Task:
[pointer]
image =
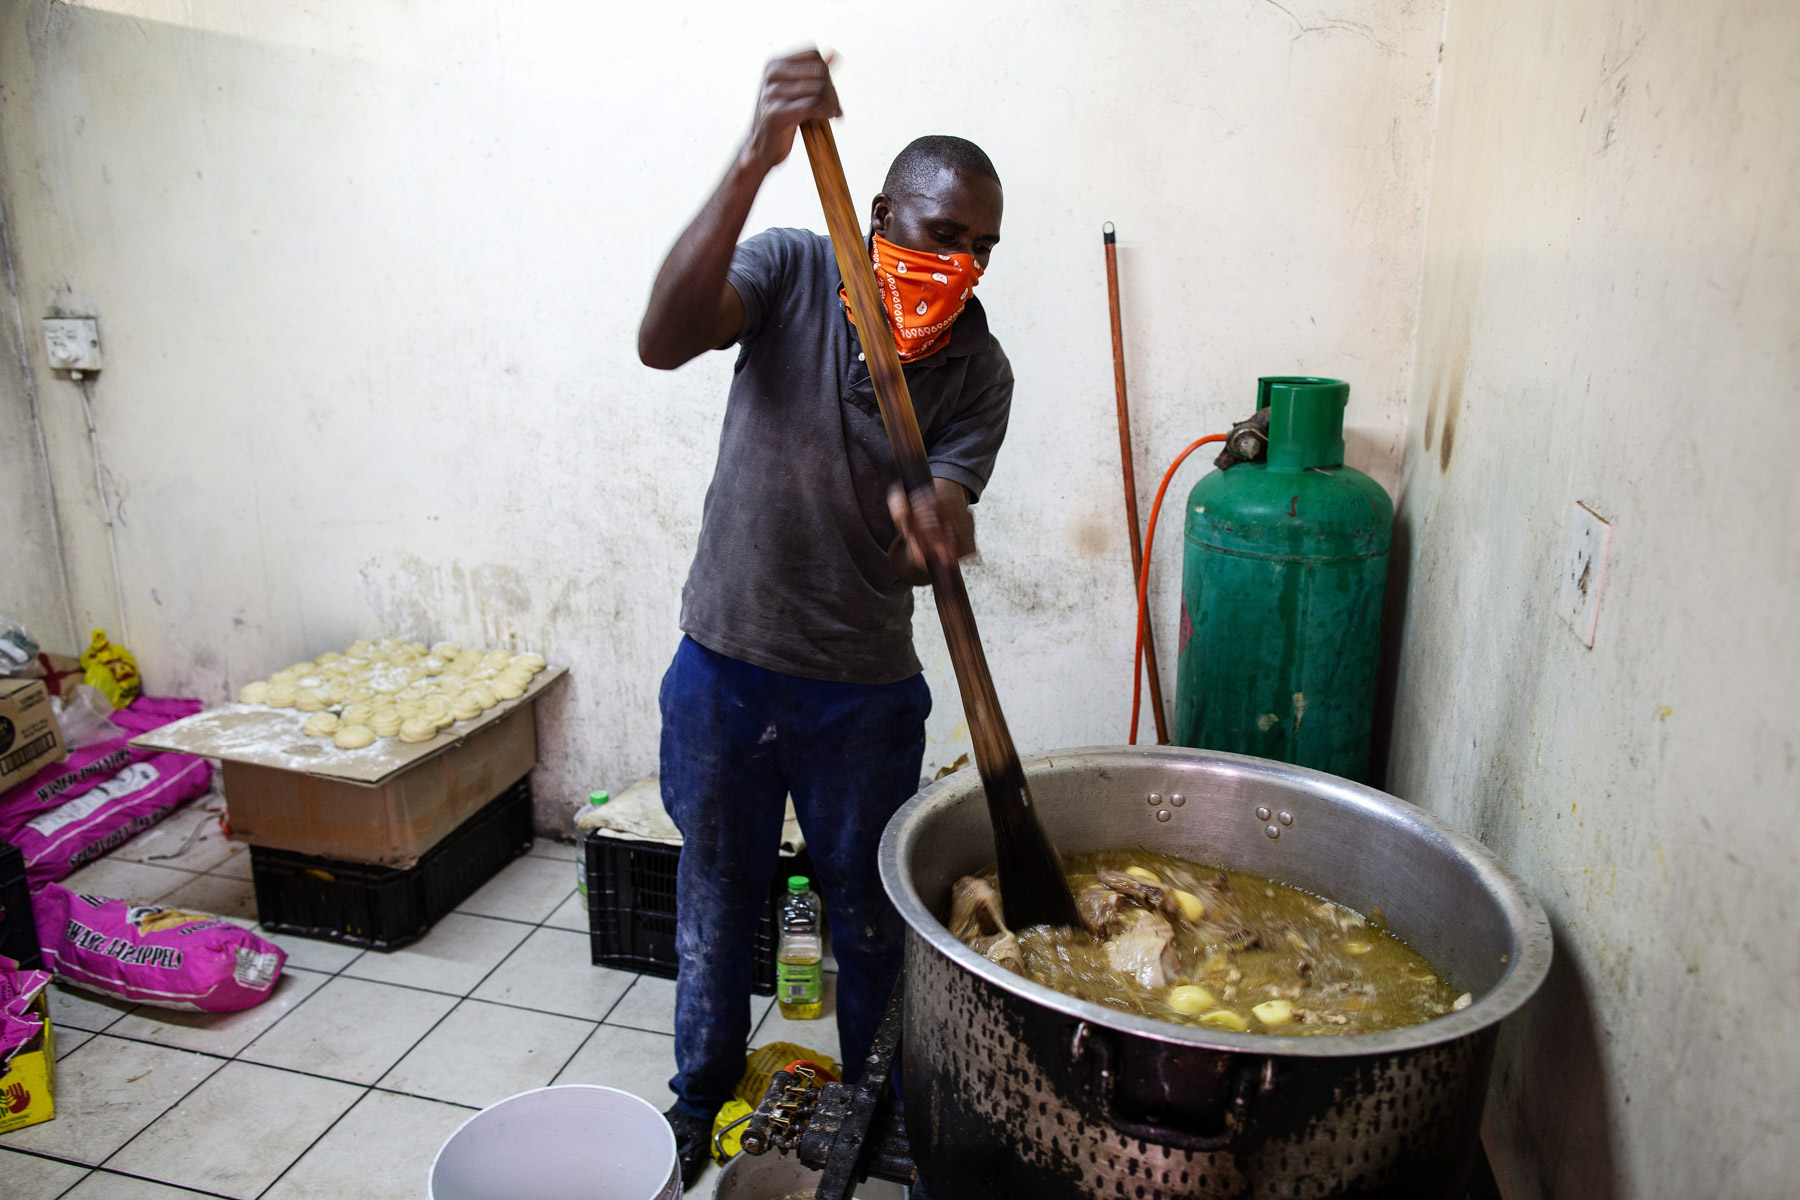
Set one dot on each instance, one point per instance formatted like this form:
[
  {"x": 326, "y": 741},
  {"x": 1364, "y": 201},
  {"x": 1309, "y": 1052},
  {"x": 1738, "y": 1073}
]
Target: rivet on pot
[
  {"x": 1274, "y": 831},
  {"x": 1155, "y": 799},
  {"x": 1287, "y": 818},
  {"x": 1163, "y": 814},
  {"x": 1178, "y": 799},
  {"x": 1262, "y": 814}
]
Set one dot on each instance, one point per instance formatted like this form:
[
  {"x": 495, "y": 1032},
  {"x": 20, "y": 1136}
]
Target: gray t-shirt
[{"x": 792, "y": 569}]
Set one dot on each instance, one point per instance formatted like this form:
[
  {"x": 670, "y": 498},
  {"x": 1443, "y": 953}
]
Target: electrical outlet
[
  {"x": 1584, "y": 571},
  {"x": 72, "y": 343}
]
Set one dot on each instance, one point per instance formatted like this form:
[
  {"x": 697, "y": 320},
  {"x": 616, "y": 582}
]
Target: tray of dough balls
[{"x": 365, "y": 712}]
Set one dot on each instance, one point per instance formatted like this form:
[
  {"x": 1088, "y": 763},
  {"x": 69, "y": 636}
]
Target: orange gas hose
[{"x": 1137, "y": 661}]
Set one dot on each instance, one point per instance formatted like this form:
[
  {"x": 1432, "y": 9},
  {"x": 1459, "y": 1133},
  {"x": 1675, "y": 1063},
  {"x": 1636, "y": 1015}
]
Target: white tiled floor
[{"x": 342, "y": 1085}]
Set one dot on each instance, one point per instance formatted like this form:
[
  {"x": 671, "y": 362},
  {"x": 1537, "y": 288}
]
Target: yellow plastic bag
[
  {"x": 762, "y": 1064},
  {"x": 727, "y": 1147},
  {"x": 111, "y": 669}
]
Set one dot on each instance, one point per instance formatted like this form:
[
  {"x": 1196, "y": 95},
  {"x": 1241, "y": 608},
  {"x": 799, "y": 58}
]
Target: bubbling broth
[{"x": 1171, "y": 939}]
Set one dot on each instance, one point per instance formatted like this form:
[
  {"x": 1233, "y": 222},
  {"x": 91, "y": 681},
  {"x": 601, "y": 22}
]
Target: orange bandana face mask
[{"x": 923, "y": 293}]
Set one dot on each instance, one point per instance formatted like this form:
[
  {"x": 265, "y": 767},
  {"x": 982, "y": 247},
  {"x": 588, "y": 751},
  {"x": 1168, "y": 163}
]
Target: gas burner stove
[
  {"x": 854, "y": 1132},
  {"x": 851, "y": 1132}
]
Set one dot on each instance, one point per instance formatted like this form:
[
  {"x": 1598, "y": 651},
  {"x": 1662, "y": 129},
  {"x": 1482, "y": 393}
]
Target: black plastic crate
[
  {"x": 385, "y": 908},
  {"x": 18, "y": 928},
  {"x": 631, "y": 908}
]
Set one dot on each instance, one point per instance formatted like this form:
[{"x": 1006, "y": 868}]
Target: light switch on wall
[
  {"x": 1584, "y": 571},
  {"x": 72, "y": 343}
]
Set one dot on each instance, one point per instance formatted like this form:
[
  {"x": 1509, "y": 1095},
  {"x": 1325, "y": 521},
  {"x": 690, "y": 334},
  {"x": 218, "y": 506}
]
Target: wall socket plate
[
  {"x": 1584, "y": 571},
  {"x": 72, "y": 343}
]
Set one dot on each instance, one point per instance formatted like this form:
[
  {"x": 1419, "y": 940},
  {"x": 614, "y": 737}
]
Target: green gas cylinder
[{"x": 1281, "y": 593}]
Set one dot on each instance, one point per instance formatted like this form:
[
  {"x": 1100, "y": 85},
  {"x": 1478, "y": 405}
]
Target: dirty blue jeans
[{"x": 736, "y": 741}]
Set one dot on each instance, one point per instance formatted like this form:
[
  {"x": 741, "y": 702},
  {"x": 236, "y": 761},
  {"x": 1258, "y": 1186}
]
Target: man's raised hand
[{"x": 794, "y": 89}]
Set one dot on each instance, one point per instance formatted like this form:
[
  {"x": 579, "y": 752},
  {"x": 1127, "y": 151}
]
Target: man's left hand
[{"x": 938, "y": 525}]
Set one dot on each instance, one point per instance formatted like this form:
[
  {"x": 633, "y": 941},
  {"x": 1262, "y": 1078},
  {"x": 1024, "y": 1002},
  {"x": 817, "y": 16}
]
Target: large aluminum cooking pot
[{"x": 1012, "y": 1089}]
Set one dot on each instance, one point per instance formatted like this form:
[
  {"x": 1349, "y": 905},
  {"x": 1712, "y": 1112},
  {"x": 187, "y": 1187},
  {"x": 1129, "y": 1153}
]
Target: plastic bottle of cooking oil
[
  {"x": 595, "y": 800},
  {"x": 799, "y": 978}
]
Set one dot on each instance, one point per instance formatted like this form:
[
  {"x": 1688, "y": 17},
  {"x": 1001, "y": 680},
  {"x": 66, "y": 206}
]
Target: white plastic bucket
[{"x": 573, "y": 1142}]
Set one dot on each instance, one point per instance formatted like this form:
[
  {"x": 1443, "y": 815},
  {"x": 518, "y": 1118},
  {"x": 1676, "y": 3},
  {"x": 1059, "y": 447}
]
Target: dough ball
[
  {"x": 285, "y": 675},
  {"x": 507, "y": 688},
  {"x": 357, "y": 713},
  {"x": 320, "y": 725},
  {"x": 443, "y": 718},
  {"x": 484, "y": 695},
  {"x": 446, "y": 650},
  {"x": 339, "y": 689},
  {"x": 254, "y": 693},
  {"x": 418, "y": 729},
  {"x": 353, "y": 737},
  {"x": 409, "y": 708},
  {"x": 385, "y": 722},
  {"x": 496, "y": 659},
  {"x": 411, "y": 691},
  {"x": 518, "y": 675},
  {"x": 310, "y": 700},
  {"x": 330, "y": 656},
  {"x": 361, "y": 694},
  {"x": 467, "y": 707},
  {"x": 531, "y": 662},
  {"x": 283, "y": 694},
  {"x": 433, "y": 665}
]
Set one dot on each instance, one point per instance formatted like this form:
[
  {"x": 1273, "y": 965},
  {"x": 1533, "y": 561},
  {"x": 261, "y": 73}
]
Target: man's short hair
[{"x": 915, "y": 167}]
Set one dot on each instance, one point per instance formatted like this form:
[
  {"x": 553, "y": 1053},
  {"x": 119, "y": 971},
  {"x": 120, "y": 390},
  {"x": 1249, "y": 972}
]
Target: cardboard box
[
  {"x": 29, "y": 735},
  {"x": 384, "y": 805},
  {"x": 27, "y": 1090}
]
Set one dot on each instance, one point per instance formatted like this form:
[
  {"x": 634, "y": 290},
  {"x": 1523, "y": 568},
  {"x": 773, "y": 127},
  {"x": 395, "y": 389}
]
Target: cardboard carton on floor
[
  {"x": 29, "y": 735},
  {"x": 27, "y": 1089},
  {"x": 385, "y": 805}
]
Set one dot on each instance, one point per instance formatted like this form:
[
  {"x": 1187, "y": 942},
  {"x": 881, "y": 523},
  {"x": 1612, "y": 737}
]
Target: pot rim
[{"x": 1524, "y": 973}]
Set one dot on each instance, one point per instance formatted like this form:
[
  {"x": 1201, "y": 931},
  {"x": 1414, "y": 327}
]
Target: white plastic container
[{"x": 574, "y": 1142}]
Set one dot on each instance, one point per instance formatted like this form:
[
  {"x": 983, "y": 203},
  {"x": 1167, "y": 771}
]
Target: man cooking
[{"x": 797, "y": 675}]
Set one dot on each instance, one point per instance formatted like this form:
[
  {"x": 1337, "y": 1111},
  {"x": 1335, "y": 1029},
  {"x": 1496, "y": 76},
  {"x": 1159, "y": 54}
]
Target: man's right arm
[{"x": 692, "y": 307}]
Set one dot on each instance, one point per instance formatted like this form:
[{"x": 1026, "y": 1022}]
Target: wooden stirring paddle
[{"x": 1033, "y": 888}]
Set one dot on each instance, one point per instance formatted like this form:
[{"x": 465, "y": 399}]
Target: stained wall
[{"x": 1609, "y": 317}]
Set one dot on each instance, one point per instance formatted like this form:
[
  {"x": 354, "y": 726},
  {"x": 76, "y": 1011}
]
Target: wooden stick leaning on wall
[
  {"x": 1131, "y": 510},
  {"x": 1033, "y": 889}
]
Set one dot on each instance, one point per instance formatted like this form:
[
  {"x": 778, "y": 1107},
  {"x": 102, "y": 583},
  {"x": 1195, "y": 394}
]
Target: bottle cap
[
  {"x": 599, "y": 797},
  {"x": 797, "y": 883}
]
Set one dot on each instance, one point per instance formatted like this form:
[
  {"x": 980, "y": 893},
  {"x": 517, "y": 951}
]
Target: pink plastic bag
[
  {"x": 88, "y": 767},
  {"x": 154, "y": 955},
  {"x": 106, "y": 812},
  {"x": 18, "y": 1024}
]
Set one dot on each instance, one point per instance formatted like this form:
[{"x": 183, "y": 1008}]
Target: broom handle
[{"x": 1125, "y": 456}]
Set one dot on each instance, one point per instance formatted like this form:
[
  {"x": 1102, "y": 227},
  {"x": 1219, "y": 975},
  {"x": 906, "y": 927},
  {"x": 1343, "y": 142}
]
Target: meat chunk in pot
[
  {"x": 1142, "y": 948},
  {"x": 976, "y": 920}
]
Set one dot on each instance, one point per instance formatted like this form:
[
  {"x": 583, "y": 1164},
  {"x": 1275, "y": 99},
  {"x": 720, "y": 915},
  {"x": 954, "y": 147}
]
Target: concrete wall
[
  {"x": 369, "y": 274},
  {"x": 33, "y": 587},
  {"x": 1609, "y": 316}
]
